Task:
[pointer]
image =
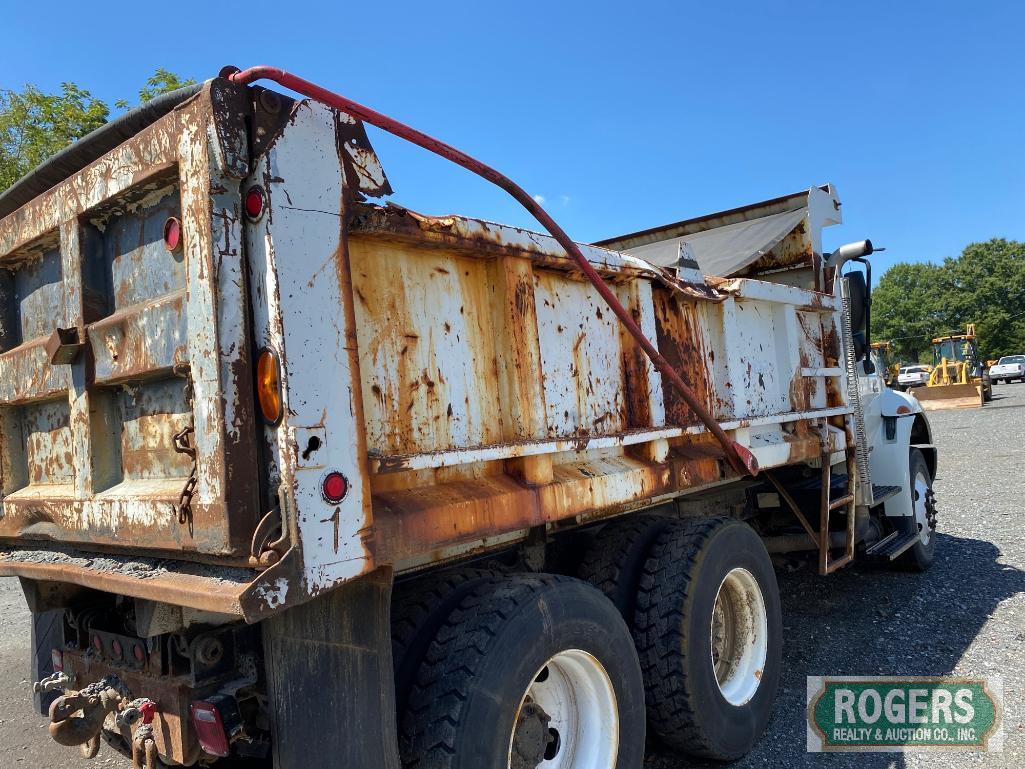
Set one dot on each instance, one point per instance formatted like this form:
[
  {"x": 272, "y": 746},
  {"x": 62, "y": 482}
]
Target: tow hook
[
  {"x": 76, "y": 717},
  {"x": 92, "y": 703}
]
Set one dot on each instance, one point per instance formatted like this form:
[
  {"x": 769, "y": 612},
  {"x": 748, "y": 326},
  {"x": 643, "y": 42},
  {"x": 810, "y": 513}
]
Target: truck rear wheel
[
  {"x": 529, "y": 672},
  {"x": 708, "y": 630},
  {"x": 417, "y": 611},
  {"x": 617, "y": 554}
]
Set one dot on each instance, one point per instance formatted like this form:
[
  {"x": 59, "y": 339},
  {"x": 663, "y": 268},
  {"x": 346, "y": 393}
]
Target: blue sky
[{"x": 624, "y": 115}]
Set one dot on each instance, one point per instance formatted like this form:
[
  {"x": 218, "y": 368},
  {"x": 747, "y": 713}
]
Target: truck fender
[{"x": 903, "y": 426}]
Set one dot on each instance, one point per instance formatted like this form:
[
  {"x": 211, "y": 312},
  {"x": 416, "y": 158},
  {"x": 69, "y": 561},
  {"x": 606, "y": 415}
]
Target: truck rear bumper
[{"x": 245, "y": 593}]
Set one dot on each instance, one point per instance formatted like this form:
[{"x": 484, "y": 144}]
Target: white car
[
  {"x": 1007, "y": 368},
  {"x": 912, "y": 376}
]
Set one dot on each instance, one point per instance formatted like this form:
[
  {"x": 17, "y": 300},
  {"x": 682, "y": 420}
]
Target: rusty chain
[{"x": 183, "y": 445}]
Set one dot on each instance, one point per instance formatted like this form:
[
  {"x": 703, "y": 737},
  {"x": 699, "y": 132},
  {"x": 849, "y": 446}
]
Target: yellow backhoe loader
[
  {"x": 885, "y": 366},
  {"x": 958, "y": 379}
]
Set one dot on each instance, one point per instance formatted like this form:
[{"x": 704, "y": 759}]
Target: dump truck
[{"x": 293, "y": 477}]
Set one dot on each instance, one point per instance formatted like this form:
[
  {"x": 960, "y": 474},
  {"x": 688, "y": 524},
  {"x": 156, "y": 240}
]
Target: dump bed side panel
[{"x": 500, "y": 393}]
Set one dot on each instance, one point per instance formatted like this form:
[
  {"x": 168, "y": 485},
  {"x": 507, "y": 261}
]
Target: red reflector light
[
  {"x": 335, "y": 487},
  {"x": 138, "y": 653},
  {"x": 172, "y": 233},
  {"x": 209, "y": 726},
  {"x": 57, "y": 656},
  {"x": 116, "y": 650},
  {"x": 254, "y": 202}
]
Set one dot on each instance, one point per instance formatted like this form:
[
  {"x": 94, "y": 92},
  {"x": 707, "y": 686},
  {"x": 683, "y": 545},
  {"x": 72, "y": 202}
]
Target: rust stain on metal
[
  {"x": 172, "y": 728},
  {"x": 682, "y": 343},
  {"x": 87, "y": 445}
]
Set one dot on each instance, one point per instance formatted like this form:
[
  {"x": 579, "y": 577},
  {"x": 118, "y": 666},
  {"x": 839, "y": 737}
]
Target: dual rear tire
[
  {"x": 708, "y": 630},
  {"x": 701, "y": 599},
  {"x": 528, "y": 671},
  {"x": 679, "y": 631}
]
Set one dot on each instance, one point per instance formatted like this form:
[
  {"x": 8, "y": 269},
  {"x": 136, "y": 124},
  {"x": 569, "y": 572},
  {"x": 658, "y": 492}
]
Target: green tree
[
  {"x": 34, "y": 125},
  {"x": 161, "y": 81},
  {"x": 907, "y": 308},
  {"x": 984, "y": 285}
]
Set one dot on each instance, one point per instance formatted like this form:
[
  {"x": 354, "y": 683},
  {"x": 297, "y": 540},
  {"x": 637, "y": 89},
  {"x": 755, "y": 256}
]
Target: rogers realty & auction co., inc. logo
[{"x": 849, "y": 713}]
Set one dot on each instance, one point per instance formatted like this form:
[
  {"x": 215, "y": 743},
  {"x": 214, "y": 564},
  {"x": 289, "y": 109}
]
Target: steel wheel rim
[
  {"x": 739, "y": 636},
  {"x": 921, "y": 508},
  {"x": 574, "y": 691}
]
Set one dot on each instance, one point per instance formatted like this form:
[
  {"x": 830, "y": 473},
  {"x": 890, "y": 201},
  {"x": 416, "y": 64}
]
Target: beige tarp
[{"x": 724, "y": 251}]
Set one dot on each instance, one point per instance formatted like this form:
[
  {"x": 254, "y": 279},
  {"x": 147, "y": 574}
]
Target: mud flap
[
  {"x": 47, "y": 634},
  {"x": 330, "y": 679}
]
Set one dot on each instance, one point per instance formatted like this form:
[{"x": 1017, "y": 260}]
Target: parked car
[
  {"x": 1007, "y": 368},
  {"x": 913, "y": 376}
]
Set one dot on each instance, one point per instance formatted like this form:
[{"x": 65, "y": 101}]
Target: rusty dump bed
[
  {"x": 111, "y": 344},
  {"x": 463, "y": 376}
]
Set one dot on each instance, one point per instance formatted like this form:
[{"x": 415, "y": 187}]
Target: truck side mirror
[{"x": 856, "y": 288}]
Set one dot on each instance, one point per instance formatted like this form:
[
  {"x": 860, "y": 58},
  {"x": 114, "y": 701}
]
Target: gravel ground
[{"x": 966, "y": 616}]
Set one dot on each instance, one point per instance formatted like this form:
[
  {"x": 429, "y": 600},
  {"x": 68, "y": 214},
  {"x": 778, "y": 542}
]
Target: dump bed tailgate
[{"x": 124, "y": 357}]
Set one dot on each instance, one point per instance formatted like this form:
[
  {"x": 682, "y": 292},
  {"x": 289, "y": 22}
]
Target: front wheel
[
  {"x": 923, "y": 519},
  {"x": 528, "y": 672}
]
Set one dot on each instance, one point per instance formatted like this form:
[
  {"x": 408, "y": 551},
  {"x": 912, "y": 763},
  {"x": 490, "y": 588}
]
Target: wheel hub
[
  {"x": 739, "y": 636},
  {"x": 931, "y": 513},
  {"x": 924, "y": 505},
  {"x": 568, "y": 717},
  {"x": 531, "y": 738}
]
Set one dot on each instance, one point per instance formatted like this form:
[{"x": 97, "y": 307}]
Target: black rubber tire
[
  {"x": 468, "y": 693},
  {"x": 920, "y": 556},
  {"x": 672, "y": 631},
  {"x": 418, "y": 609},
  {"x": 616, "y": 557}
]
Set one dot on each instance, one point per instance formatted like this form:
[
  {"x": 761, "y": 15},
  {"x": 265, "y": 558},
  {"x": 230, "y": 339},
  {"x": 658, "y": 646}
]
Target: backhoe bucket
[{"x": 953, "y": 396}]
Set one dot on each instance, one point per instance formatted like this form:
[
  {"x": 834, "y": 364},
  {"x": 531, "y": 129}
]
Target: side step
[
  {"x": 891, "y": 547},
  {"x": 882, "y": 493}
]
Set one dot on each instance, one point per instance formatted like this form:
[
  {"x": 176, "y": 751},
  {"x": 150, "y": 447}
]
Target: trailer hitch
[{"x": 739, "y": 457}]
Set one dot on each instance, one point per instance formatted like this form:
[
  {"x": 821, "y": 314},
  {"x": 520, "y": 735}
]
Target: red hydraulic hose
[{"x": 742, "y": 460}]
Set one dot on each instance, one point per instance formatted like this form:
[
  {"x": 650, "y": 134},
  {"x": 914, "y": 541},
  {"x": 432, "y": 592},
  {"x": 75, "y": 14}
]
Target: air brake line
[{"x": 741, "y": 458}]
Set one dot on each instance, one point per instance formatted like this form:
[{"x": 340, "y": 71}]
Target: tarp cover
[{"x": 725, "y": 251}]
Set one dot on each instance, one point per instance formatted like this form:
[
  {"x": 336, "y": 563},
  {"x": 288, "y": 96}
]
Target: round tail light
[
  {"x": 254, "y": 202},
  {"x": 334, "y": 487},
  {"x": 172, "y": 233}
]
